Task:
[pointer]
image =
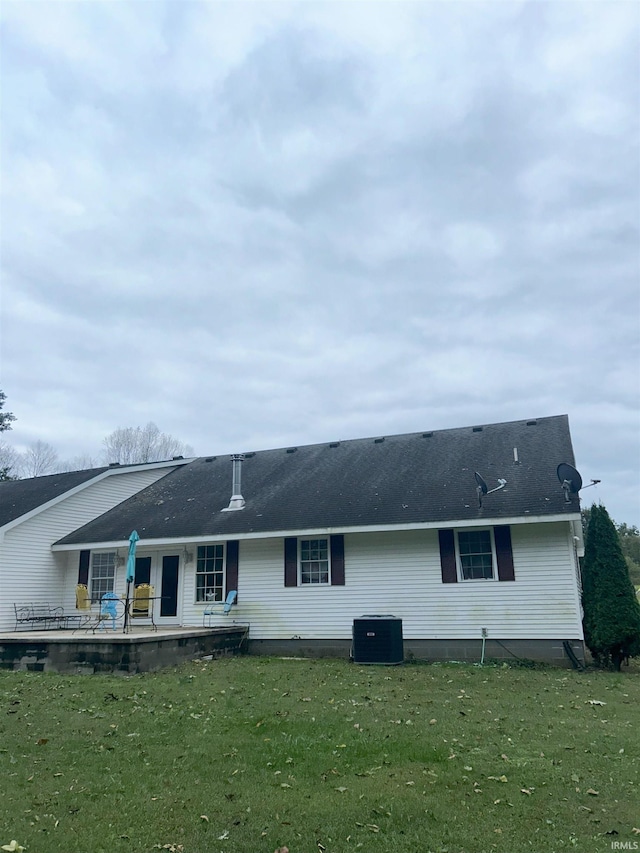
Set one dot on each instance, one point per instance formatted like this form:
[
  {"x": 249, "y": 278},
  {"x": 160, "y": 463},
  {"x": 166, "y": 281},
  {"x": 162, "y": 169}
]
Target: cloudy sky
[{"x": 263, "y": 224}]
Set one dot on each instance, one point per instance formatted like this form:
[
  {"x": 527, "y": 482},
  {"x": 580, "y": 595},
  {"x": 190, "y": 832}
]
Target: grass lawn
[{"x": 247, "y": 754}]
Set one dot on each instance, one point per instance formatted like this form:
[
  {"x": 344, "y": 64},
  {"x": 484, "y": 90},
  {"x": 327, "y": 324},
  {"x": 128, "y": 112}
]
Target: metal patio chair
[
  {"x": 218, "y": 608},
  {"x": 109, "y": 610}
]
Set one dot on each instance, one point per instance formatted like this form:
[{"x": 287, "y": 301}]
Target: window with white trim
[
  {"x": 475, "y": 554},
  {"x": 210, "y": 573},
  {"x": 314, "y": 561},
  {"x": 103, "y": 573}
]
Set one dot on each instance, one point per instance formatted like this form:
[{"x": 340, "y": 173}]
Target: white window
[
  {"x": 103, "y": 573},
  {"x": 475, "y": 555},
  {"x": 210, "y": 573},
  {"x": 314, "y": 561}
]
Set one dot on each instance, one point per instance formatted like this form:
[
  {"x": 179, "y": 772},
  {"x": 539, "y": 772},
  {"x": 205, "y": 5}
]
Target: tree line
[{"x": 125, "y": 445}]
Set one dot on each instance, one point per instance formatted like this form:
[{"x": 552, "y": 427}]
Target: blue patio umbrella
[
  {"x": 131, "y": 559},
  {"x": 131, "y": 571}
]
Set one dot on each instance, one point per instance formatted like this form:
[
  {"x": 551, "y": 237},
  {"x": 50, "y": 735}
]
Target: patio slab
[{"x": 112, "y": 651}]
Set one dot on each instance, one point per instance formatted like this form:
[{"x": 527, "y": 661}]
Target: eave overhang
[{"x": 159, "y": 542}]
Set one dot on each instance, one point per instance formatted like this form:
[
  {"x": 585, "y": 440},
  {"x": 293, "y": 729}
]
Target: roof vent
[
  {"x": 477, "y": 429},
  {"x": 249, "y": 455},
  {"x": 427, "y": 435},
  {"x": 175, "y": 458},
  {"x": 237, "y": 501},
  {"x": 532, "y": 423},
  {"x": 211, "y": 459},
  {"x": 378, "y": 440},
  {"x": 114, "y": 464},
  {"x": 335, "y": 444},
  {"x": 291, "y": 449}
]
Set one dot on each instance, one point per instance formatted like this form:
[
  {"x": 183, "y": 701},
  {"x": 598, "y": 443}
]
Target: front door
[{"x": 169, "y": 577}]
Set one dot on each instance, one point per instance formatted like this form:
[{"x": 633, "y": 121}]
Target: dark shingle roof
[
  {"x": 18, "y": 497},
  {"x": 402, "y": 479}
]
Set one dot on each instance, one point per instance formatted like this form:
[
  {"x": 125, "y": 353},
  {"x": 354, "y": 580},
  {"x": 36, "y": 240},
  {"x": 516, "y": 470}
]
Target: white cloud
[{"x": 266, "y": 224}]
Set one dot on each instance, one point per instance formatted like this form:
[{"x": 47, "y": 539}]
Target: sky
[{"x": 270, "y": 224}]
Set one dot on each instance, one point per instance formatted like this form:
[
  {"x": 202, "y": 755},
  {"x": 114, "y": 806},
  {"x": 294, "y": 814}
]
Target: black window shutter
[
  {"x": 291, "y": 561},
  {"x": 233, "y": 550},
  {"x": 448, "y": 556},
  {"x": 504, "y": 552},
  {"x": 337, "y": 560},
  {"x": 83, "y": 567}
]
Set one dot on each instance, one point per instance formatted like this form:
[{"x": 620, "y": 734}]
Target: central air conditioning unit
[{"x": 378, "y": 639}]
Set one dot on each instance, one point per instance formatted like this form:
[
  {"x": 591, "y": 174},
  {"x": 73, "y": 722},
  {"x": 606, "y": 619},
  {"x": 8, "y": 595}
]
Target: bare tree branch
[
  {"x": 133, "y": 445},
  {"x": 39, "y": 459},
  {"x": 83, "y": 462},
  {"x": 9, "y": 462}
]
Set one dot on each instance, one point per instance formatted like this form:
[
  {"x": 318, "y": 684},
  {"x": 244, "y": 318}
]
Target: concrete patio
[{"x": 141, "y": 650}]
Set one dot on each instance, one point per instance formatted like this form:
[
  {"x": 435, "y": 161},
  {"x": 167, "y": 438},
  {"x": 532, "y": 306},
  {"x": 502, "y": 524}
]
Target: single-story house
[{"x": 315, "y": 537}]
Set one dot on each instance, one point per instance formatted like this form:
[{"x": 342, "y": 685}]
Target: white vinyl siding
[
  {"x": 30, "y": 571},
  {"x": 399, "y": 574}
]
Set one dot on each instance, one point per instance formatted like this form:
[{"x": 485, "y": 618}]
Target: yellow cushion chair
[
  {"x": 83, "y": 601},
  {"x": 141, "y": 606}
]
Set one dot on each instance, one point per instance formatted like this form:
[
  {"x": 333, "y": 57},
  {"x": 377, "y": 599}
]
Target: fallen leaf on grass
[
  {"x": 592, "y": 792},
  {"x": 341, "y": 789},
  {"x": 13, "y": 846},
  {"x": 594, "y": 702},
  {"x": 526, "y": 791},
  {"x": 204, "y": 817},
  {"x": 635, "y": 830}
]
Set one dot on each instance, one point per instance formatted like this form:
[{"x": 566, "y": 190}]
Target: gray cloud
[{"x": 266, "y": 224}]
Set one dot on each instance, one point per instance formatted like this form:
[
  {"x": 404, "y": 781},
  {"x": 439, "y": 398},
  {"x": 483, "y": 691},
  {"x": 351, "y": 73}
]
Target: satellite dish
[
  {"x": 482, "y": 488},
  {"x": 569, "y": 477},
  {"x": 571, "y": 480}
]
